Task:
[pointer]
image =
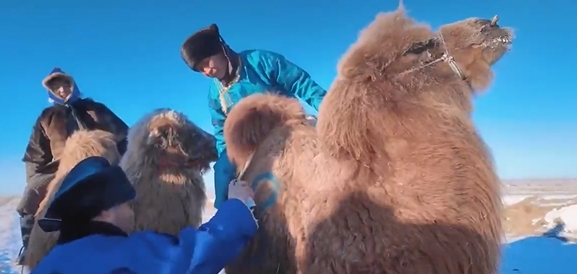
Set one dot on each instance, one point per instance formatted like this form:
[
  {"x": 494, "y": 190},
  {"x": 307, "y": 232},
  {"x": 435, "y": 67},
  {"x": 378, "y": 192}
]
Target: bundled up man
[
  {"x": 237, "y": 75},
  {"x": 68, "y": 113}
]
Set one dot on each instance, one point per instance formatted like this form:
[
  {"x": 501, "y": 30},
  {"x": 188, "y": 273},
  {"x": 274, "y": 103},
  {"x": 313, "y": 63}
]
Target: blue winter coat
[
  {"x": 262, "y": 71},
  {"x": 203, "y": 251}
]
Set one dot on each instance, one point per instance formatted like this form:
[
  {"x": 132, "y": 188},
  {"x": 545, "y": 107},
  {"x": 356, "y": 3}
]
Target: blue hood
[{"x": 56, "y": 72}]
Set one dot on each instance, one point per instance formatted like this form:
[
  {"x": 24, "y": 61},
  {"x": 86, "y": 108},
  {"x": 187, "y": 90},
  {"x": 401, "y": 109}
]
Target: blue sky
[{"x": 126, "y": 54}]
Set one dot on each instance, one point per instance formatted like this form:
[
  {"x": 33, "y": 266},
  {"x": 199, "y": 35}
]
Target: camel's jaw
[
  {"x": 494, "y": 40},
  {"x": 477, "y": 39},
  {"x": 497, "y": 42}
]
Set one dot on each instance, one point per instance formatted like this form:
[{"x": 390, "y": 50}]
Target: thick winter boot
[{"x": 26, "y": 224}]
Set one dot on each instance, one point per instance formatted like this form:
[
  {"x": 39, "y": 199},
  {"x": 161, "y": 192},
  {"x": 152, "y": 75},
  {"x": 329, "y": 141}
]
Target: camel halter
[
  {"x": 246, "y": 164},
  {"x": 446, "y": 57}
]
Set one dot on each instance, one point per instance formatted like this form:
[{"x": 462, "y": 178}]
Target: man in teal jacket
[
  {"x": 238, "y": 75},
  {"x": 91, "y": 211}
]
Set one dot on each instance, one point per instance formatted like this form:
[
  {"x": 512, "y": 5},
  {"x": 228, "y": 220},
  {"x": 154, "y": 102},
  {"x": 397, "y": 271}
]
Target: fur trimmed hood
[{"x": 57, "y": 73}]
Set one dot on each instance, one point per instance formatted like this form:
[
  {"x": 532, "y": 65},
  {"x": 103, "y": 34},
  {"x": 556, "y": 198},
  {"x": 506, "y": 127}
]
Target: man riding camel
[
  {"x": 237, "y": 75},
  {"x": 69, "y": 112}
]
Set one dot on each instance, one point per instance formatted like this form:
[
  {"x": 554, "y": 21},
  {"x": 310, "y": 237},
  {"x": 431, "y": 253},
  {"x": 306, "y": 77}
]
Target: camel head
[
  {"x": 398, "y": 66},
  {"x": 476, "y": 44},
  {"x": 169, "y": 138}
]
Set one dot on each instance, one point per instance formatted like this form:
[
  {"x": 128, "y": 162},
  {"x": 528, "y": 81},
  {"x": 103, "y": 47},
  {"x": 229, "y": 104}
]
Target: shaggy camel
[
  {"x": 395, "y": 179},
  {"x": 165, "y": 159},
  {"x": 78, "y": 146}
]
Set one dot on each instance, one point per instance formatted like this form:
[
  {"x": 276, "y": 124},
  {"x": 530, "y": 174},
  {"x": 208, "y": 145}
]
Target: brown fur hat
[{"x": 200, "y": 45}]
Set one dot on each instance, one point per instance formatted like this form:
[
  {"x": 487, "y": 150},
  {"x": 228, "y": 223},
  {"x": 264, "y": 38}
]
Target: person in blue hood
[
  {"x": 236, "y": 76},
  {"x": 91, "y": 211},
  {"x": 69, "y": 112}
]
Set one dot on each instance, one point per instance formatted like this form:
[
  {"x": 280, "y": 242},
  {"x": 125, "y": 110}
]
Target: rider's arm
[
  {"x": 221, "y": 239},
  {"x": 38, "y": 152},
  {"x": 293, "y": 79},
  {"x": 217, "y": 116},
  {"x": 207, "y": 249}
]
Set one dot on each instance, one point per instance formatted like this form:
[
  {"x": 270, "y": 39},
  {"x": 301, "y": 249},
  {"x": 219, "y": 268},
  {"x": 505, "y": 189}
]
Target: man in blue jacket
[
  {"x": 238, "y": 75},
  {"x": 91, "y": 211}
]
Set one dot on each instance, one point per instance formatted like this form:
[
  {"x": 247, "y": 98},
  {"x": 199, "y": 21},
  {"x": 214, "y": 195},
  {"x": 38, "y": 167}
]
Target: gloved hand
[{"x": 242, "y": 191}]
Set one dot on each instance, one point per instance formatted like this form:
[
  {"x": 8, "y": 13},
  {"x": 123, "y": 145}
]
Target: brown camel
[
  {"x": 79, "y": 146},
  {"x": 395, "y": 179},
  {"x": 165, "y": 159}
]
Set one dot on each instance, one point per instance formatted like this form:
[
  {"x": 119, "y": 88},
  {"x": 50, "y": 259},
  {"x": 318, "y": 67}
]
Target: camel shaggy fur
[
  {"x": 165, "y": 159},
  {"x": 395, "y": 179},
  {"x": 281, "y": 140},
  {"x": 79, "y": 146}
]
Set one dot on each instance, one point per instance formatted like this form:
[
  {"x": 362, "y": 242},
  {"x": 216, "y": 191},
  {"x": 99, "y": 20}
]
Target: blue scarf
[{"x": 75, "y": 95}]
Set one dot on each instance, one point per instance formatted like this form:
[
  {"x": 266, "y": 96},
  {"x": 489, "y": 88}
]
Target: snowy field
[{"x": 540, "y": 222}]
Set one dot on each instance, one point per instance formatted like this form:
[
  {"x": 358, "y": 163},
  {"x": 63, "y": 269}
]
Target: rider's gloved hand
[{"x": 240, "y": 190}]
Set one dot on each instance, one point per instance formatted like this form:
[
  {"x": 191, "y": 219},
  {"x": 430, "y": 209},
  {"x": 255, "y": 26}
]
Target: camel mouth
[
  {"x": 497, "y": 40},
  {"x": 504, "y": 40}
]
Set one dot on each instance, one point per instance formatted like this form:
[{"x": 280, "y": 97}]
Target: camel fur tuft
[
  {"x": 79, "y": 146},
  {"x": 165, "y": 159},
  {"x": 253, "y": 120}
]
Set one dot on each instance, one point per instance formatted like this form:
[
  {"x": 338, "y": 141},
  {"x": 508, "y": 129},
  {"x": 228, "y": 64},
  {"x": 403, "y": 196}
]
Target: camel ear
[{"x": 214, "y": 28}]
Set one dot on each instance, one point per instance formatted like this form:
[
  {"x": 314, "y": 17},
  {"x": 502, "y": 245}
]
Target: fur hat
[
  {"x": 200, "y": 45},
  {"x": 92, "y": 186}
]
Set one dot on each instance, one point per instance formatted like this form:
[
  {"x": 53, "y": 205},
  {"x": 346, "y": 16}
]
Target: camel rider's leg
[
  {"x": 224, "y": 172},
  {"x": 34, "y": 193}
]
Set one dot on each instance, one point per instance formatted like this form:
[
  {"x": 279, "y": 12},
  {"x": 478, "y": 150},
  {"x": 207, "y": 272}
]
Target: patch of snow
[
  {"x": 558, "y": 197},
  {"x": 567, "y": 215},
  {"x": 10, "y": 240},
  {"x": 513, "y": 199}
]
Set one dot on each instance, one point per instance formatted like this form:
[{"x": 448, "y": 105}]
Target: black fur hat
[
  {"x": 93, "y": 185},
  {"x": 200, "y": 45}
]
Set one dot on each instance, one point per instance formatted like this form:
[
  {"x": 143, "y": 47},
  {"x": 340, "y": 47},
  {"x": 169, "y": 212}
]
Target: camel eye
[{"x": 420, "y": 47}]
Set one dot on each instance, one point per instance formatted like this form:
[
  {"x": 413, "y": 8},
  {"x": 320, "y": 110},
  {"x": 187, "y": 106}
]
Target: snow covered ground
[
  {"x": 9, "y": 235},
  {"x": 540, "y": 221}
]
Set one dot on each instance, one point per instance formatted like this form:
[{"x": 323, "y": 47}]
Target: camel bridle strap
[
  {"x": 446, "y": 57},
  {"x": 245, "y": 167}
]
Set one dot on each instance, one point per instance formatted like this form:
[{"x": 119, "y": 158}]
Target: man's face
[
  {"x": 61, "y": 88},
  {"x": 214, "y": 66},
  {"x": 123, "y": 217}
]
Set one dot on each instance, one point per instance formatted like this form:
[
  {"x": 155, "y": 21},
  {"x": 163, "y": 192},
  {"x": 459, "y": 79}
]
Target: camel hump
[
  {"x": 254, "y": 117},
  {"x": 83, "y": 139},
  {"x": 90, "y": 142},
  {"x": 87, "y": 136}
]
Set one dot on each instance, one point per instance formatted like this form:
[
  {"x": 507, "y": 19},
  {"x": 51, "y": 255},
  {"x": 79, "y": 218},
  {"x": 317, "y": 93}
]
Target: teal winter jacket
[{"x": 262, "y": 71}]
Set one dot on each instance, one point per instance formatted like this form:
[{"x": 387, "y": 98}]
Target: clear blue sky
[{"x": 126, "y": 54}]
